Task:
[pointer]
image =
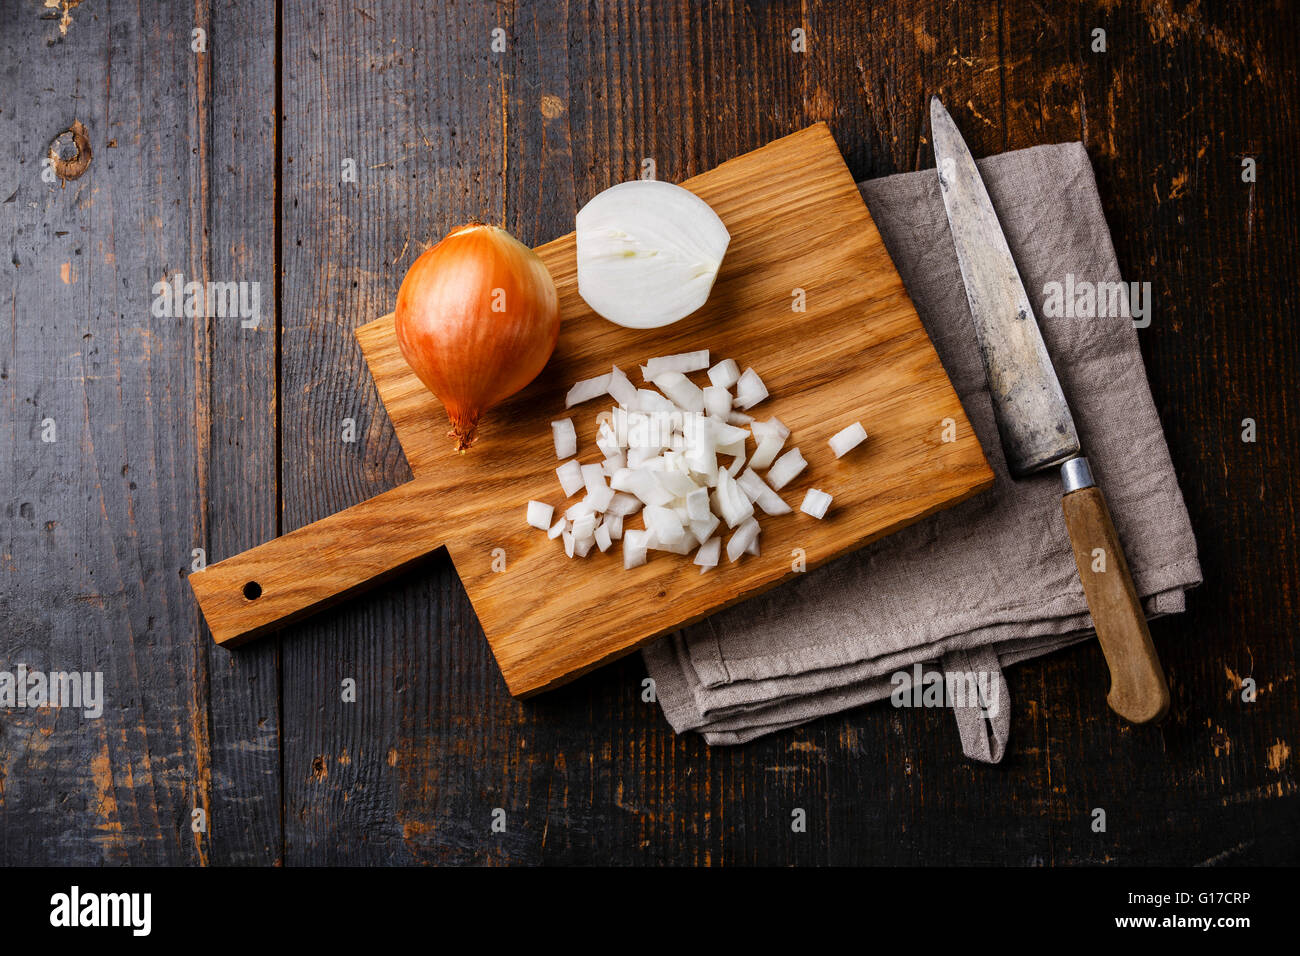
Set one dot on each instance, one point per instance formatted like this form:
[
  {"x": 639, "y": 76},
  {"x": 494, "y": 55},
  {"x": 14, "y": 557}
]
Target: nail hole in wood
[{"x": 252, "y": 590}]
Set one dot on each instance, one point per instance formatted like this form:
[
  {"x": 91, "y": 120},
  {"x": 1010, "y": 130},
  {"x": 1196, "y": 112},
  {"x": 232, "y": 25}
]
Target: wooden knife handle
[
  {"x": 318, "y": 565},
  {"x": 1138, "y": 691}
]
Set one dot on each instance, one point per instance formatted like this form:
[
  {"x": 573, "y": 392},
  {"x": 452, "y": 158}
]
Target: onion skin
[{"x": 469, "y": 355}]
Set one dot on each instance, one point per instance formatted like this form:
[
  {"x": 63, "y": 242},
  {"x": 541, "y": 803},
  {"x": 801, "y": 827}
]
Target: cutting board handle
[
  {"x": 1138, "y": 691},
  {"x": 318, "y": 565}
]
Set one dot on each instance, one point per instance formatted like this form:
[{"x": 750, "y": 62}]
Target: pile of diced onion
[{"x": 661, "y": 459}]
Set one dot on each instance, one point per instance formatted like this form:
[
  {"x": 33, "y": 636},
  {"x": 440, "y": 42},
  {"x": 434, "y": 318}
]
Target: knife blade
[{"x": 1036, "y": 426}]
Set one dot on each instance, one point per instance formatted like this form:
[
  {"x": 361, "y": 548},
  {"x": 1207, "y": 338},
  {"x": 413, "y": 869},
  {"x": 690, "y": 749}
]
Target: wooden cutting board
[{"x": 857, "y": 353}]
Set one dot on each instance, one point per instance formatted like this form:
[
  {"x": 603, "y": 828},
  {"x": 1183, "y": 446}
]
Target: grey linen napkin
[{"x": 991, "y": 581}]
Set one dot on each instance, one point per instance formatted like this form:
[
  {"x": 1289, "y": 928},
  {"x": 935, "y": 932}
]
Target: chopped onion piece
[
  {"x": 568, "y": 543},
  {"x": 593, "y": 477},
  {"x": 607, "y": 441},
  {"x": 761, "y": 494},
  {"x": 584, "y": 527},
  {"x": 621, "y": 388},
  {"x": 565, "y": 437},
  {"x": 815, "y": 503},
  {"x": 580, "y": 509},
  {"x": 751, "y": 492},
  {"x": 725, "y": 374},
  {"x": 753, "y": 547},
  {"x": 587, "y": 389},
  {"x": 636, "y": 457},
  {"x": 697, "y": 504},
  {"x": 603, "y": 540},
  {"x": 623, "y": 505},
  {"x": 847, "y": 439},
  {"x": 615, "y": 525},
  {"x": 703, "y": 463},
  {"x": 732, "y": 503},
  {"x": 557, "y": 529},
  {"x": 634, "y": 548},
  {"x": 641, "y": 483},
  {"x": 648, "y": 400},
  {"x": 750, "y": 390},
  {"x": 737, "y": 463},
  {"x": 675, "y": 483},
  {"x": 570, "y": 475},
  {"x": 701, "y": 458},
  {"x": 681, "y": 390},
  {"x": 684, "y": 544},
  {"x": 717, "y": 402},
  {"x": 742, "y": 539},
  {"x": 539, "y": 515},
  {"x": 611, "y": 465},
  {"x": 726, "y": 435},
  {"x": 599, "y": 498},
  {"x": 767, "y": 450},
  {"x": 786, "y": 468},
  {"x": 707, "y": 556},
  {"x": 682, "y": 362},
  {"x": 664, "y": 523},
  {"x": 739, "y": 418},
  {"x": 584, "y": 535},
  {"x": 773, "y": 426},
  {"x": 703, "y": 530}
]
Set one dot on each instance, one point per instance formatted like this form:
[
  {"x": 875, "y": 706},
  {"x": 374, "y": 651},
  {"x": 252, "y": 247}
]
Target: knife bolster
[{"x": 1076, "y": 474}]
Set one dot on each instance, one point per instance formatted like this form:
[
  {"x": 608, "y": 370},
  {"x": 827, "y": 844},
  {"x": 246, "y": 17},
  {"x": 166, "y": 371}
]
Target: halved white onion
[{"x": 648, "y": 253}]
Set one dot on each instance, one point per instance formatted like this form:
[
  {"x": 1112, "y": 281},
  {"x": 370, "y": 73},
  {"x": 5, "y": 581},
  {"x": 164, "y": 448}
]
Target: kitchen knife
[{"x": 1036, "y": 426}]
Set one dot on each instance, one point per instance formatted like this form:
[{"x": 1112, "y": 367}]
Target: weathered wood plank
[
  {"x": 238, "y": 213},
  {"x": 99, "y": 523}
]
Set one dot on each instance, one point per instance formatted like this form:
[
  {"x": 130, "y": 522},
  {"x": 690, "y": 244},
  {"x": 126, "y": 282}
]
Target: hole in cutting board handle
[{"x": 252, "y": 590}]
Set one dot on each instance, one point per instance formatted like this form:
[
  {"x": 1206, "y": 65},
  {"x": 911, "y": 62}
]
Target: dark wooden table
[{"x": 173, "y": 434}]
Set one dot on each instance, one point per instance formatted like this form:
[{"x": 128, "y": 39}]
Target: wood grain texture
[
  {"x": 443, "y": 130},
  {"x": 857, "y": 354},
  {"x": 100, "y": 523},
  {"x": 240, "y": 480},
  {"x": 1138, "y": 691}
]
